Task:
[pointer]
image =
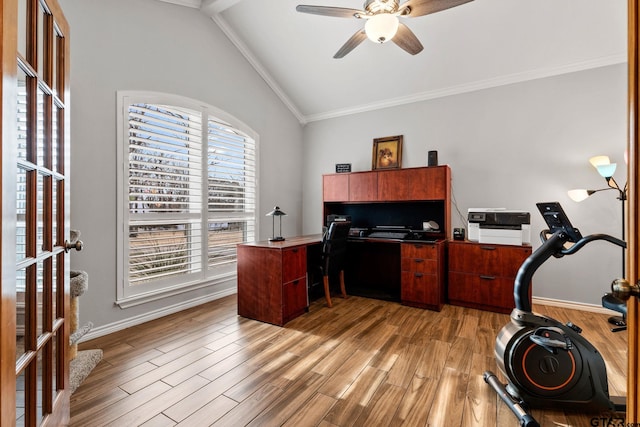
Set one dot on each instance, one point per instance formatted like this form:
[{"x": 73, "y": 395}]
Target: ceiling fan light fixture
[{"x": 382, "y": 27}]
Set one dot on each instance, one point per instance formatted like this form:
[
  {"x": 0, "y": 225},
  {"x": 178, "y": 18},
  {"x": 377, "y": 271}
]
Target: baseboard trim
[
  {"x": 156, "y": 314},
  {"x": 572, "y": 305}
]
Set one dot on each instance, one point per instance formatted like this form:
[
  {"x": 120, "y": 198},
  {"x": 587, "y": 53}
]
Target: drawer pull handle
[
  {"x": 294, "y": 250},
  {"x": 418, "y": 260},
  {"x": 417, "y": 246},
  {"x": 418, "y": 274},
  {"x": 488, "y": 277},
  {"x": 488, "y": 248}
]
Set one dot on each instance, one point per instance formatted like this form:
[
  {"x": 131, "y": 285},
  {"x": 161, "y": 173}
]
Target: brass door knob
[
  {"x": 77, "y": 245},
  {"x": 622, "y": 289}
]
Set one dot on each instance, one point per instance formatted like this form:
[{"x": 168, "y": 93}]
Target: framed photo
[{"x": 387, "y": 153}]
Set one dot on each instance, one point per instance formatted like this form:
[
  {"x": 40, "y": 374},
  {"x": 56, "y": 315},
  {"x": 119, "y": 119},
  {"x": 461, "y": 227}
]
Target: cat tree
[{"x": 82, "y": 362}]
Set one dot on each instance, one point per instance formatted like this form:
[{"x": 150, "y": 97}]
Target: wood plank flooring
[{"x": 364, "y": 362}]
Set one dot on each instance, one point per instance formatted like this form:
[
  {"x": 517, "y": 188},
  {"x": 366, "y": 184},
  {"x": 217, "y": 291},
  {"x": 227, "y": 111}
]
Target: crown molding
[{"x": 195, "y": 4}]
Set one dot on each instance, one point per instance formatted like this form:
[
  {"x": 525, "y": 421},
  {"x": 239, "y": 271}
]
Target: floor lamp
[{"x": 606, "y": 169}]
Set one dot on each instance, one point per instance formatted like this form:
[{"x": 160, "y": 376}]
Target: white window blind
[{"x": 189, "y": 190}]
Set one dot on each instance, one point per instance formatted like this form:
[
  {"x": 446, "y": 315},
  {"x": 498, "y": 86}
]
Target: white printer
[{"x": 499, "y": 226}]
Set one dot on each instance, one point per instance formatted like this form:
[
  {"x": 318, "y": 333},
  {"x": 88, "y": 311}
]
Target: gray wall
[
  {"x": 510, "y": 146},
  {"x": 152, "y": 45}
]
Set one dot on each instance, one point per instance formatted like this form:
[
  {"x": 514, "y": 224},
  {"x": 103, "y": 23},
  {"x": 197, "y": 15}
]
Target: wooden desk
[{"x": 272, "y": 279}]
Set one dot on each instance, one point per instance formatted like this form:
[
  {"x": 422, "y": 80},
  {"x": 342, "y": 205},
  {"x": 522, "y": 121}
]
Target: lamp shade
[
  {"x": 382, "y": 27},
  {"x": 276, "y": 212},
  {"x": 607, "y": 171},
  {"x": 578, "y": 195},
  {"x": 599, "y": 160}
]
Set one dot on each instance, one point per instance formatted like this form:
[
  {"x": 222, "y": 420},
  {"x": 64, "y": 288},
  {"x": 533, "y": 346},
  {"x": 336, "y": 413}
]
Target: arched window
[{"x": 187, "y": 194}]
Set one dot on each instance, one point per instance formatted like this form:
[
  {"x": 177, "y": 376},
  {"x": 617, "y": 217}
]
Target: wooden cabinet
[
  {"x": 422, "y": 184},
  {"x": 363, "y": 187},
  {"x": 423, "y": 271},
  {"x": 335, "y": 187},
  {"x": 272, "y": 280},
  {"x": 482, "y": 275},
  {"x": 414, "y": 184}
]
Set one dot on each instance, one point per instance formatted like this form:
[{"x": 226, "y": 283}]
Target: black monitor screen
[{"x": 556, "y": 219}]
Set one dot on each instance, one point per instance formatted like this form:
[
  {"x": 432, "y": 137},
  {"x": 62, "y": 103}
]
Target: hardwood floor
[{"x": 364, "y": 362}]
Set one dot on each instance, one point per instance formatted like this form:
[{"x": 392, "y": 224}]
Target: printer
[{"x": 499, "y": 226}]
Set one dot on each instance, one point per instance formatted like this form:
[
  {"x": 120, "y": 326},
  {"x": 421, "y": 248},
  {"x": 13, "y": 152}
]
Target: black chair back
[{"x": 334, "y": 246}]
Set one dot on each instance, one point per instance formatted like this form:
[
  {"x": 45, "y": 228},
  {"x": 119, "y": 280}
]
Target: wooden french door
[{"x": 34, "y": 336}]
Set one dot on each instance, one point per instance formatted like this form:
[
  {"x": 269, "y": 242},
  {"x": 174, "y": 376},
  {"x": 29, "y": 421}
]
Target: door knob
[
  {"x": 622, "y": 289},
  {"x": 77, "y": 245}
]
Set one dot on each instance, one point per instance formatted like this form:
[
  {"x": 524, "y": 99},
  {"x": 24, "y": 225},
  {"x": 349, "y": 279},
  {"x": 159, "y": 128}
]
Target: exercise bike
[{"x": 549, "y": 364}]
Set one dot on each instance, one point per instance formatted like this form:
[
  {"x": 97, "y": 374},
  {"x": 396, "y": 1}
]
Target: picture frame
[{"x": 387, "y": 153}]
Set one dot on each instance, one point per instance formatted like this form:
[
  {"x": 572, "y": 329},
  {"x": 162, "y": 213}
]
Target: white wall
[
  {"x": 510, "y": 146},
  {"x": 151, "y": 45}
]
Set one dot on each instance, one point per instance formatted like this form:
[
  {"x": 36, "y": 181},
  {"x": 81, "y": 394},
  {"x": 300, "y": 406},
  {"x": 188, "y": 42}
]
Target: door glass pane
[
  {"x": 20, "y": 400},
  {"x": 52, "y": 286},
  {"x": 40, "y": 299},
  {"x": 54, "y": 138},
  {"x": 22, "y": 23},
  {"x": 40, "y": 215},
  {"x": 40, "y": 139},
  {"x": 40, "y": 384},
  {"x": 40, "y": 39},
  {"x": 21, "y": 212},
  {"x": 21, "y": 319},
  {"x": 22, "y": 114},
  {"x": 54, "y": 366},
  {"x": 55, "y": 62},
  {"x": 54, "y": 212}
]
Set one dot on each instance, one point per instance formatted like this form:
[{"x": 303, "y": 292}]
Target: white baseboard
[
  {"x": 573, "y": 305},
  {"x": 156, "y": 314}
]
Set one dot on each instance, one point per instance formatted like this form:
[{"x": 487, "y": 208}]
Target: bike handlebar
[{"x": 551, "y": 246}]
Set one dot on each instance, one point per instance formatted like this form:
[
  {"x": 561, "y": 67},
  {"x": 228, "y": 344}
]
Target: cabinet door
[
  {"x": 420, "y": 289},
  {"x": 294, "y": 298},
  {"x": 413, "y": 184},
  {"x": 294, "y": 263},
  {"x": 363, "y": 187},
  {"x": 392, "y": 185},
  {"x": 427, "y": 184},
  {"x": 335, "y": 188}
]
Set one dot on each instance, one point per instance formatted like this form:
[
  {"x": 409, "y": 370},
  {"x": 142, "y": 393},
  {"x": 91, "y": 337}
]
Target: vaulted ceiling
[{"x": 477, "y": 45}]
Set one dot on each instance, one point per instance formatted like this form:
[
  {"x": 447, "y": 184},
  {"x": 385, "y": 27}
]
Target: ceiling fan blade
[
  {"x": 354, "y": 41},
  {"x": 407, "y": 40},
  {"x": 415, "y": 8},
  {"x": 338, "y": 12}
]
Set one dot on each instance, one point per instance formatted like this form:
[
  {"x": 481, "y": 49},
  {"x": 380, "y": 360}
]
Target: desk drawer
[
  {"x": 486, "y": 259},
  {"x": 419, "y": 250},
  {"x": 294, "y": 263},
  {"x": 421, "y": 290},
  {"x": 481, "y": 291},
  {"x": 420, "y": 265}
]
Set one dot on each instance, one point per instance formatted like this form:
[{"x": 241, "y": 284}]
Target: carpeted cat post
[{"x": 82, "y": 362}]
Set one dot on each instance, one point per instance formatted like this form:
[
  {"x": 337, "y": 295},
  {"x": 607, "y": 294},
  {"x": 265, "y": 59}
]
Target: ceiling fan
[{"x": 382, "y": 21}]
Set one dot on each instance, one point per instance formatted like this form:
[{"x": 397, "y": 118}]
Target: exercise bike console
[{"x": 547, "y": 363}]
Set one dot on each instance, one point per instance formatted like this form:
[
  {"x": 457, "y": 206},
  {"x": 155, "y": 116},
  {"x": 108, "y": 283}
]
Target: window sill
[{"x": 147, "y": 297}]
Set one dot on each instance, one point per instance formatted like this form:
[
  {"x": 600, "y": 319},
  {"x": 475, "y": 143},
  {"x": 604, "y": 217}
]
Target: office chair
[{"x": 334, "y": 251}]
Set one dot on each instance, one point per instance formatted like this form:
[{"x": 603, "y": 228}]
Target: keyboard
[{"x": 388, "y": 234}]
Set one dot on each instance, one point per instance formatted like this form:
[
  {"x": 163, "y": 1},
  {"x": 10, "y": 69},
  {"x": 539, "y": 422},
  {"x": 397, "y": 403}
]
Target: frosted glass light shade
[
  {"x": 607, "y": 171},
  {"x": 578, "y": 195},
  {"x": 381, "y": 28},
  {"x": 599, "y": 160}
]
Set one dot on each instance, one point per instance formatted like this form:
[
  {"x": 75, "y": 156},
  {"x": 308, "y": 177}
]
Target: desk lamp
[
  {"x": 606, "y": 169},
  {"x": 276, "y": 212}
]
